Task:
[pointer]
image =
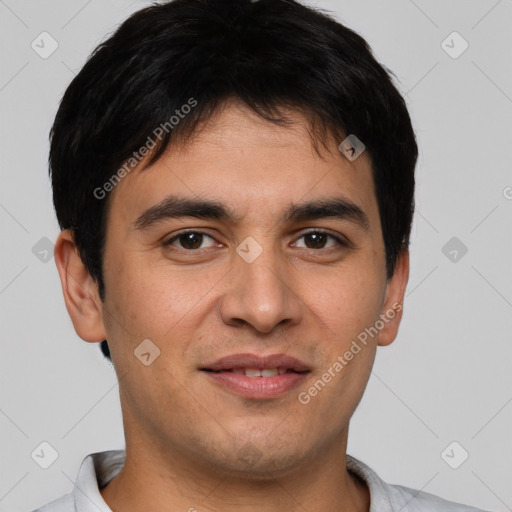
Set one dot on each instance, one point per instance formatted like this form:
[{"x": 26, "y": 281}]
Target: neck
[{"x": 153, "y": 482}]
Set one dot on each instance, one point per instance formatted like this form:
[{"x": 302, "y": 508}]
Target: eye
[
  {"x": 319, "y": 240},
  {"x": 192, "y": 240}
]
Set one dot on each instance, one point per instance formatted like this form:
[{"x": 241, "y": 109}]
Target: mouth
[
  {"x": 256, "y": 372},
  {"x": 257, "y": 377}
]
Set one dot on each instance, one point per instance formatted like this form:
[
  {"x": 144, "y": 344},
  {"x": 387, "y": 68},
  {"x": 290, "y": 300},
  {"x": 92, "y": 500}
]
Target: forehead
[{"x": 240, "y": 159}]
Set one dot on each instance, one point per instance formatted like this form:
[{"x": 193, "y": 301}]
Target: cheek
[
  {"x": 348, "y": 300},
  {"x": 152, "y": 299}
]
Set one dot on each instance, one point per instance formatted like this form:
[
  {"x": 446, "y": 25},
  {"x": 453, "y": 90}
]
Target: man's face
[{"x": 198, "y": 299}]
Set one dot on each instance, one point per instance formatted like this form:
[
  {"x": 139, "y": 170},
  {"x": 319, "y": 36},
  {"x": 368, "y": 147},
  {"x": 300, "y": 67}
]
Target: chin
[{"x": 260, "y": 460}]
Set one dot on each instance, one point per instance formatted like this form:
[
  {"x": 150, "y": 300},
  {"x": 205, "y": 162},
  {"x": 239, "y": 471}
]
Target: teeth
[
  {"x": 256, "y": 372},
  {"x": 252, "y": 372}
]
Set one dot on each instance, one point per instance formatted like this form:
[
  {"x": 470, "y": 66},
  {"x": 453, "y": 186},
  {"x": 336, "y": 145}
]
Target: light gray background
[{"x": 448, "y": 375}]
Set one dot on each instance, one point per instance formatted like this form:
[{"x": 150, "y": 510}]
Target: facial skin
[{"x": 189, "y": 441}]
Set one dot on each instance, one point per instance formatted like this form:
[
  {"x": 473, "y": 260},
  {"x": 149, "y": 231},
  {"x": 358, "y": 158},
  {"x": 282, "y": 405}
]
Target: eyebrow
[{"x": 176, "y": 207}]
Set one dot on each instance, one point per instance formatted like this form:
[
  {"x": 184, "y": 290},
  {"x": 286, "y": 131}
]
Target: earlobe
[
  {"x": 80, "y": 290},
  {"x": 392, "y": 310}
]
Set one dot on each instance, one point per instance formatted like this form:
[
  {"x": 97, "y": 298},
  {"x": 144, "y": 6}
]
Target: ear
[
  {"x": 392, "y": 309},
  {"x": 80, "y": 290}
]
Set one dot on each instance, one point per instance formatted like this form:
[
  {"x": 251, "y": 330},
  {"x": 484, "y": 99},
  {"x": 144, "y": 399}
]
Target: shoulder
[
  {"x": 412, "y": 500},
  {"x": 389, "y": 498},
  {"x": 96, "y": 470},
  {"x": 64, "y": 504}
]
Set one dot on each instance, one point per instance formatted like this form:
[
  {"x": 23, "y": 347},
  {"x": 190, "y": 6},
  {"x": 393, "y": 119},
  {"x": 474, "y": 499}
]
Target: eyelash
[{"x": 340, "y": 241}]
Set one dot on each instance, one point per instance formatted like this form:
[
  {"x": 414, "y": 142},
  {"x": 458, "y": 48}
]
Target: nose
[{"x": 261, "y": 294}]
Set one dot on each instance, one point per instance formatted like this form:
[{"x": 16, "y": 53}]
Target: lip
[
  {"x": 257, "y": 388},
  {"x": 254, "y": 361}
]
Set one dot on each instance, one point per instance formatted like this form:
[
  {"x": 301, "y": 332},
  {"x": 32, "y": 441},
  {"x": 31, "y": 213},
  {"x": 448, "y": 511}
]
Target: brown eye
[
  {"x": 315, "y": 240},
  {"x": 318, "y": 240},
  {"x": 191, "y": 240}
]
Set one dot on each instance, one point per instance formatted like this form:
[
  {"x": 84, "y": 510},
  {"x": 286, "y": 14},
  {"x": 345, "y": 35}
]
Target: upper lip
[{"x": 257, "y": 361}]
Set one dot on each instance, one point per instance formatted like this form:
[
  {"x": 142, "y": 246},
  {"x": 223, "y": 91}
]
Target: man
[{"x": 234, "y": 181}]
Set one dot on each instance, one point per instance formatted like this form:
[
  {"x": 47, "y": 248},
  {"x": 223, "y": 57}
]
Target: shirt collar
[{"x": 96, "y": 471}]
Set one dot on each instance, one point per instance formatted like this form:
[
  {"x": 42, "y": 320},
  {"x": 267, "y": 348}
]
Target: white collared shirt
[{"x": 98, "y": 469}]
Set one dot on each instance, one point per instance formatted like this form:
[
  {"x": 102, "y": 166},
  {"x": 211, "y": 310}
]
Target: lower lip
[{"x": 257, "y": 387}]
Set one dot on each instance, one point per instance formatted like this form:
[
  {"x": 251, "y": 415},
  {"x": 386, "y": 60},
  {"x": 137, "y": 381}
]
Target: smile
[{"x": 257, "y": 377}]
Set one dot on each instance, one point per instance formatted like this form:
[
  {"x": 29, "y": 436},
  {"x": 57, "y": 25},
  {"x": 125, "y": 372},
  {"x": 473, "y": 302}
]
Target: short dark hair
[{"x": 271, "y": 54}]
